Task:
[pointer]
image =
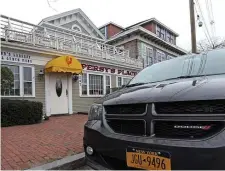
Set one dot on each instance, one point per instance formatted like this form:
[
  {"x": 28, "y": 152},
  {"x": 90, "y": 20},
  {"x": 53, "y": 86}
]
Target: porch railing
[{"x": 14, "y": 30}]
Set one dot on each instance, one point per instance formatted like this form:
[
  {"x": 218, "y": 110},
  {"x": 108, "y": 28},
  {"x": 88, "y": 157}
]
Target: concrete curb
[{"x": 67, "y": 163}]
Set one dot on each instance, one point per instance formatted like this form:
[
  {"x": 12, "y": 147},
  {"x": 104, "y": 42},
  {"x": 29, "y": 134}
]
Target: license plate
[{"x": 148, "y": 159}]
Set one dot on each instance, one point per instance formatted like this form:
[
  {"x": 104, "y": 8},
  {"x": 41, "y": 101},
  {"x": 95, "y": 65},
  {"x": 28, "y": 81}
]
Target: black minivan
[{"x": 170, "y": 116}]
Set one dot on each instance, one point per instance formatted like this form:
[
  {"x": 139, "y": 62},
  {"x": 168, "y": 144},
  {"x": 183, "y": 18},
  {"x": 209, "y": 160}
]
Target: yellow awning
[{"x": 65, "y": 64}]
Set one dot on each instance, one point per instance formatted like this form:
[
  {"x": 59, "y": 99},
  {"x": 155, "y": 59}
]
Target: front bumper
[{"x": 110, "y": 149}]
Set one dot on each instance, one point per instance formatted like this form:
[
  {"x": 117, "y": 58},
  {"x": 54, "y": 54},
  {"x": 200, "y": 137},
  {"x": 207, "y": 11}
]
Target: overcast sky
[{"x": 173, "y": 13}]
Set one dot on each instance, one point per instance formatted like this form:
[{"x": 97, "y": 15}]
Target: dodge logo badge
[{"x": 207, "y": 127}]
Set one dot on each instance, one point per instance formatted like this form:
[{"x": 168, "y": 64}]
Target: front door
[{"x": 58, "y": 93}]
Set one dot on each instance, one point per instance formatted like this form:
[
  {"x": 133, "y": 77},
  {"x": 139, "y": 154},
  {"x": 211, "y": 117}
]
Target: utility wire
[
  {"x": 208, "y": 39},
  {"x": 200, "y": 10},
  {"x": 210, "y": 16}
]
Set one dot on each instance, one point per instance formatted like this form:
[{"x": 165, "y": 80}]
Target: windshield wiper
[
  {"x": 192, "y": 76},
  {"x": 135, "y": 84},
  {"x": 189, "y": 76}
]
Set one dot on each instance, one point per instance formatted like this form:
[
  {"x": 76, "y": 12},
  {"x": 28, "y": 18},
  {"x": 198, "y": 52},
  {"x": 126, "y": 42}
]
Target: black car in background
[{"x": 170, "y": 116}]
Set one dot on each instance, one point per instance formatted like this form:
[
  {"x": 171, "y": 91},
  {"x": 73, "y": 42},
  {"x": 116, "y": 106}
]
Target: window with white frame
[
  {"x": 170, "y": 37},
  {"x": 27, "y": 80},
  {"x": 84, "y": 84},
  {"x": 163, "y": 56},
  {"x": 160, "y": 56},
  {"x": 172, "y": 40},
  {"x": 95, "y": 84},
  {"x": 158, "y": 30},
  {"x": 161, "y": 32},
  {"x": 122, "y": 81},
  {"x": 149, "y": 55},
  {"x": 119, "y": 81},
  {"x": 107, "y": 84},
  {"x": 23, "y": 84}
]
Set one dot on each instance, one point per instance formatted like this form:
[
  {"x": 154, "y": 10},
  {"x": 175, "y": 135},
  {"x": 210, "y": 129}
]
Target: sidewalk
[{"x": 28, "y": 146}]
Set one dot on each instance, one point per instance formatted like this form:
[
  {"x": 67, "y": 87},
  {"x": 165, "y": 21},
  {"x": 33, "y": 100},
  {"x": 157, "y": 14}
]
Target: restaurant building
[{"x": 64, "y": 62}]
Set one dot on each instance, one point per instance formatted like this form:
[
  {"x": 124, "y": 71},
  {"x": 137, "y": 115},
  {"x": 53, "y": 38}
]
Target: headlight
[{"x": 95, "y": 112}]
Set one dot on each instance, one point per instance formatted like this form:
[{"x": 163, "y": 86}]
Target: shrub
[{"x": 20, "y": 112}]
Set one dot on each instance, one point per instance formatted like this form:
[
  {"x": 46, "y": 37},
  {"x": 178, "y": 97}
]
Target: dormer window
[
  {"x": 170, "y": 38},
  {"x": 76, "y": 28},
  {"x": 160, "y": 32}
]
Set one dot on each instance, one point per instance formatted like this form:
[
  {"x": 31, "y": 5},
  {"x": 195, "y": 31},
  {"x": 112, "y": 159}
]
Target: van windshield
[{"x": 188, "y": 65}]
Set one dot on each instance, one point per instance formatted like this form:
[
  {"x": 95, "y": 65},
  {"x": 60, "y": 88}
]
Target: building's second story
[
  {"x": 161, "y": 30},
  {"x": 150, "y": 41},
  {"x": 153, "y": 25},
  {"x": 71, "y": 33}
]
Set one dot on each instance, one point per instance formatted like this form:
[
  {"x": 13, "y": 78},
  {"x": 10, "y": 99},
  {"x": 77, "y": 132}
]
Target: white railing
[{"x": 65, "y": 41}]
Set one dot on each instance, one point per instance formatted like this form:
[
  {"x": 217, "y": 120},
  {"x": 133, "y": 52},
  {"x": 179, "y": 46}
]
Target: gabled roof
[
  {"x": 152, "y": 19},
  {"x": 78, "y": 10},
  {"x": 143, "y": 31},
  {"x": 112, "y": 24}
]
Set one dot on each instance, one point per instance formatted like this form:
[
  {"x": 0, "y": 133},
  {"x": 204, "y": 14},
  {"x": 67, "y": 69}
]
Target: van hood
[{"x": 205, "y": 88}]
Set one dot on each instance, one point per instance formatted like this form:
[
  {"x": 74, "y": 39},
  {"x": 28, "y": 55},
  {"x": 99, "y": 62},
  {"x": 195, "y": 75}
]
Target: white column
[
  {"x": 21, "y": 81},
  {"x": 47, "y": 95},
  {"x": 70, "y": 93}
]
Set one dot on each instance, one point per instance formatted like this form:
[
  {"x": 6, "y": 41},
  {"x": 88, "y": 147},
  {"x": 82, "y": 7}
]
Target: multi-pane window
[
  {"x": 96, "y": 84},
  {"x": 149, "y": 55},
  {"x": 92, "y": 84},
  {"x": 160, "y": 56},
  {"x": 23, "y": 81},
  {"x": 163, "y": 56},
  {"x": 84, "y": 84},
  {"x": 13, "y": 90},
  {"x": 161, "y": 32},
  {"x": 119, "y": 80},
  {"x": 122, "y": 81},
  {"x": 170, "y": 38},
  {"x": 158, "y": 30},
  {"x": 167, "y": 36},
  {"x": 107, "y": 84},
  {"x": 27, "y": 80}
]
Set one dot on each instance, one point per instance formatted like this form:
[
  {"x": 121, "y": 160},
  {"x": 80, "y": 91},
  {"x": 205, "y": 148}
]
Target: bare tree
[{"x": 214, "y": 43}]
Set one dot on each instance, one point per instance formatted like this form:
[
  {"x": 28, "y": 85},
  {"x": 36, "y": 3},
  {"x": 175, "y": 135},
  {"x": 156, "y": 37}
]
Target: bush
[{"x": 20, "y": 112}]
